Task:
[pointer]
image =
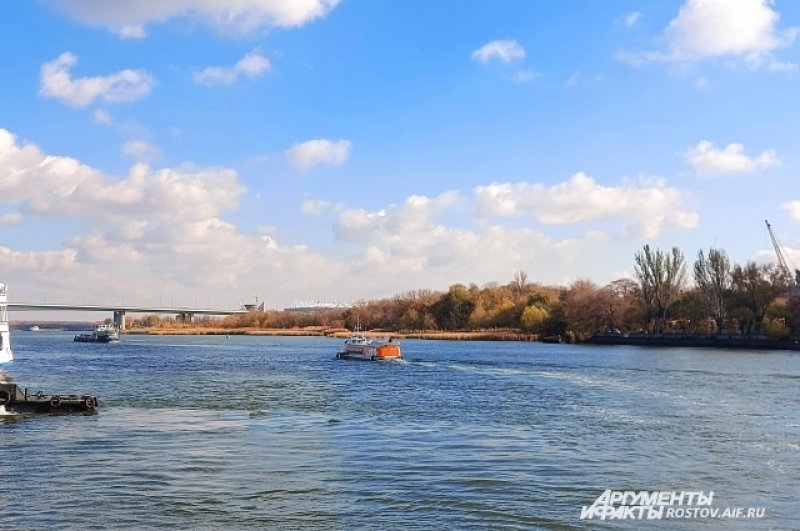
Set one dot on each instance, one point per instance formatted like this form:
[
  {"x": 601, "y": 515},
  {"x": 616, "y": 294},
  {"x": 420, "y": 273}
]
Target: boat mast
[{"x": 5, "y": 336}]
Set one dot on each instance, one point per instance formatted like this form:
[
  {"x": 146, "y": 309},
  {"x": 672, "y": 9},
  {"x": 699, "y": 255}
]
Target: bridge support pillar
[
  {"x": 119, "y": 319},
  {"x": 185, "y": 317}
]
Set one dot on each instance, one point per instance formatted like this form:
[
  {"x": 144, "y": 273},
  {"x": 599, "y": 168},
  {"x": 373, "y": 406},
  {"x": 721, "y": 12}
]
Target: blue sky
[{"x": 207, "y": 151}]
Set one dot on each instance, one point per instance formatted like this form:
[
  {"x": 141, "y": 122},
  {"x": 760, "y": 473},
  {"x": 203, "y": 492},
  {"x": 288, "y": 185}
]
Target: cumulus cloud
[
  {"x": 708, "y": 161},
  {"x": 36, "y": 261},
  {"x": 744, "y": 29},
  {"x": 793, "y": 207},
  {"x": 504, "y": 51},
  {"x": 10, "y": 219},
  {"x": 410, "y": 218},
  {"x": 631, "y": 19},
  {"x": 152, "y": 230},
  {"x": 141, "y": 150},
  {"x": 644, "y": 207},
  {"x": 251, "y": 66},
  {"x": 408, "y": 242},
  {"x": 101, "y": 117},
  {"x": 308, "y": 154},
  {"x": 130, "y": 18},
  {"x": 48, "y": 185},
  {"x": 124, "y": 86},
  {"x": 314, "y": 207}
]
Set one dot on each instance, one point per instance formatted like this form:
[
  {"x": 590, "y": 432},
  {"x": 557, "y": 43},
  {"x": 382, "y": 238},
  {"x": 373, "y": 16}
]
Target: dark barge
[{"x": 19, "y": 400}]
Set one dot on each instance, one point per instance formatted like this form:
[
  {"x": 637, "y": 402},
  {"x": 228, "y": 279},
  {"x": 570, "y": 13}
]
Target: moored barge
[{"x": 16, "y": 399}]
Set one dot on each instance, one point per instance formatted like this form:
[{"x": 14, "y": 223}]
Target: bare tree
[
  {"x": 583, "y": 305},
  {"x": 712, "y": 276},
  {"x": 620, "y": 304}
]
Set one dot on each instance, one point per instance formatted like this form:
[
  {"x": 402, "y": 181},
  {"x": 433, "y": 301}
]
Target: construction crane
[{"x": 781, "y": 259}]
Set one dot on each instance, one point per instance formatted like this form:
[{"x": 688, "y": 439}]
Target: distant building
[
  {"x": 257, "y": 307},
  {"x": 317, "y": 306}
]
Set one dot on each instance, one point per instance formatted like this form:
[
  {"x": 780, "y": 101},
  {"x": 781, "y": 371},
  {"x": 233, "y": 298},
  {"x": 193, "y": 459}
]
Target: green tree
[
  {"x": 661, "y": 278},
  {"x": 756, "y": 287},
  {"x": 712, "y": 276},
  {"x": 453, "y": 310}
]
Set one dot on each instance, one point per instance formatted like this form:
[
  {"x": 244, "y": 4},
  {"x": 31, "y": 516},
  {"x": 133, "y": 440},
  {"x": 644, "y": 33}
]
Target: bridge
[{"x": 184, "y": 313}]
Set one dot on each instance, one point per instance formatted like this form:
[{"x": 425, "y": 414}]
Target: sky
[{"x": 203, "y": 153}]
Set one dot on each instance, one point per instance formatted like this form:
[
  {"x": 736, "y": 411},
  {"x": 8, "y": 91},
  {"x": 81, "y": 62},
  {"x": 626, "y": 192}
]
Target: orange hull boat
[{"x": 359, "y": 347}]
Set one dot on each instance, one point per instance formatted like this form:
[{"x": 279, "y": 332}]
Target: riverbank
[
  {"x": 482, "y": 335},
  {"x": 728, "y": 341}
]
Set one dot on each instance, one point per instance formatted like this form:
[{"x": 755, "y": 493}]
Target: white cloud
[
  {"x": 410, "y": 218},
  {"x": 504, "y": 51},
  {"x": 709, "y": 161},
  {"x": 314, "y": 207},
  {"x": 251, "y": 66},
  {"x": 793, "y": 207},
  {"x": 631, "y": 19},
  {"x": 526, "y": 76},
  {"x": 129, "y": 19},
  {"x": 572, "y": 80},
  {"x": 320, "y": 151},
  {"x": 36, "y": 261},
  {"x": 141, "y": 150},
  {"x": 48, "y": 185},
  {"x": 407, "y": 243},
  {"x": 744, "y": 29},
  {"x": 156, "y": 232},
  {"x": 101, "y": 117},
  {"x": 149, "y": 232},
  {"x": 131, "y": 32},
  {"x": 645, "y": 208},
  {"x": 123, "y": 86},
  {"x": 10, "y": 219}
]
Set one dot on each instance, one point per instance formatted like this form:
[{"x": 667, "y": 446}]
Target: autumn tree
[
  {"x": 620, "y": 305},
  {"x": 583, "y": 308},
  {"x": 534, "y": 319}
]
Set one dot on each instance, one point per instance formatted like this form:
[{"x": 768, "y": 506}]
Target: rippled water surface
[{"x": 254, "y": 432}]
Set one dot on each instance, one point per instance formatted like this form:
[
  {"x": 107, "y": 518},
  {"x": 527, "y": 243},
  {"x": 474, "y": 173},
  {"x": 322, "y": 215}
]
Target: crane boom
[{"x": 781, "y": 259}]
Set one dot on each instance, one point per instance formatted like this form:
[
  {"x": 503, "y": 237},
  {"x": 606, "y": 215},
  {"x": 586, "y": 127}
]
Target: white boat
[{"x": 357, "y": 346}]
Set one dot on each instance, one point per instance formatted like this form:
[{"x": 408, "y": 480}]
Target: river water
[{"x": 259, "y": 432}]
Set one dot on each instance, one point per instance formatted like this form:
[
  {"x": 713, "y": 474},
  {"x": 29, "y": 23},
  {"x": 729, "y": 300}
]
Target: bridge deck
[{"x": 126, "y": 309}]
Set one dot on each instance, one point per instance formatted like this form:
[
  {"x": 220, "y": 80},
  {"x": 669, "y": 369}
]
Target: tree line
[{"x": 666, "y": 295}]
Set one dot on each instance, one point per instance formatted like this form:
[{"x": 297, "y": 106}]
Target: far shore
[{"x": 487, "y": 335}]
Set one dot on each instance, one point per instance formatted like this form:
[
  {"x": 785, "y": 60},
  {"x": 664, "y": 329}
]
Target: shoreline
[
  {"x": 340, "y": 333},
  {"x": 725, "y": 341}
]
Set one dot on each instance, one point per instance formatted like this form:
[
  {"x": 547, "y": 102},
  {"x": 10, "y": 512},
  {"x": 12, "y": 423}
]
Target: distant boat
[
  {"x": 34, "y": 328},
  {"x": 102, "y": 334},
  {"x": 357, "y": 346}
]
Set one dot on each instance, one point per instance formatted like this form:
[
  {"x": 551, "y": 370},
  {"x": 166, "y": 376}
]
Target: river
[{"x": 209, "y": 432}]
